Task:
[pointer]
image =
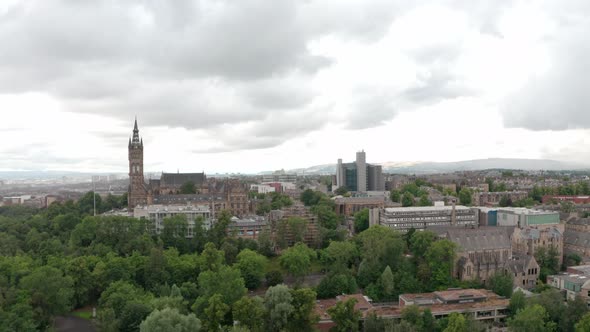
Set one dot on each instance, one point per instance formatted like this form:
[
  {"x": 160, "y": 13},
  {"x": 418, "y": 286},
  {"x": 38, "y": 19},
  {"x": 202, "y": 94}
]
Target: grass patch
[{"x": 83, "y": 314}]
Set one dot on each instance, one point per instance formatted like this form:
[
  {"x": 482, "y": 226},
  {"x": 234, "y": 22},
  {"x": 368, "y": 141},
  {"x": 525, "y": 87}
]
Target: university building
[{"x": 219, "y": 195}]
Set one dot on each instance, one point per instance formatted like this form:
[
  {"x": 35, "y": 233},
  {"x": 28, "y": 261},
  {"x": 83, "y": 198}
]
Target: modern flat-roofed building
[
  {"x": 157, "y": 213},
  {"x": 280, "y": 176},
  {"x": 479, "y": 304},
  {"x": 522, "y": 217},
  {"x": 548, "y": 199},
  {"x": 421, "y": 217}
]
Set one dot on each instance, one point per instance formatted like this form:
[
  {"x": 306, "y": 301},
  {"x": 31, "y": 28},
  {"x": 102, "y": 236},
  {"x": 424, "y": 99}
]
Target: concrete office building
[
  {"x": 522, "y": 217},
  {"x": 421, "y": 217},
  {"x": 157, "y": 213},
  {"x": 359, "y": 176}
]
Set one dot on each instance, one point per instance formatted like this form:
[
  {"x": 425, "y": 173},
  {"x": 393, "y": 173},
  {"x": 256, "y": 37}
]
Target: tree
[
  {"x": 250, "y": 312},
  {"x": 336, "y": 284},
  {"x": 361, "y": 220},
  {"x": 345, "y": 316},
  {"x": 501, "y": 284},
  {"x": 51, "y": 292},
  {"x": 297, "y": 260},
  {"x": 408, "y": 199},
  {"x": 424, "y": 200},
  {"x": 303, "y": 317},
  {"x": 277, "y": 301},
  {"x": 457, "y": 323},
  {"x": 420, "y": 242},
  {"x": 412, "y": 315},
  {"x": 251, "y": 266},
  {"x": 132, "y": 315},
  {"x": 584, "y": 324},
  {"x": 505, "y": 201},
  {"x": 226, "y": 282},
  {"x": 215, "y": 313},
  {"x": 575, "y": 310},
  {"x": 531, "y": 319},
  {"x": 273, "y": 278},
  {"x": 465, "y": 196},
  {"x": 395, "y": 195},
  {"x": 188, "y": 188},
  {"x": 440, "y": 257},
  {"x": 517, "y": 302},
  {"x": 386, "y": 283},
  {"x": 340, "y": 255},
  {"x": 341, "y": 191},
  {"x": 170, "y": 320},
  {"x": 212, "y": 258}
]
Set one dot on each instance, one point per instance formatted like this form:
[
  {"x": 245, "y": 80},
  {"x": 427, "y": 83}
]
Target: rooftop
[{"x": 426, "y": 208}]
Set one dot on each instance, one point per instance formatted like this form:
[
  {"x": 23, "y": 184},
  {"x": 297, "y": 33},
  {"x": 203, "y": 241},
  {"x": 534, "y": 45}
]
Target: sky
[{"x": 256, "y": 85}]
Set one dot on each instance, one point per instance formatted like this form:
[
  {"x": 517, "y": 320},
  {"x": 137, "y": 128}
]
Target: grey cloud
[
  {"x": 371, "y": 111},
  {"x": 436, "y": 86},
  {"x": 557, "y": 99}
]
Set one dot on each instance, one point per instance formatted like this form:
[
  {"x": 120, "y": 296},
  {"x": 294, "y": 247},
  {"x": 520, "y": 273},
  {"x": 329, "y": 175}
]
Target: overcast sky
[{"x": 248, "y": 86}]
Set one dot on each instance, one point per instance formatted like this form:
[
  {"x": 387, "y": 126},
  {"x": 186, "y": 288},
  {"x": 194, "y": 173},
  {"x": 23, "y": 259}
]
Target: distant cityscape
[{"x": 499, "y": 219}]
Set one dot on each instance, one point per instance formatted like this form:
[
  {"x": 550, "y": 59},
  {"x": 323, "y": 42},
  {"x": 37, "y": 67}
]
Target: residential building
[
  {"x": 576, "y": 238},
  {"x": 493, "y": 198},
  {"x": 285, "y": 236},
  {"x": 549, "y": 199},
  {"x": 247, "y": 228},
  {"x": 359, "y": 176},
  {"x": 420, "y": 217}
]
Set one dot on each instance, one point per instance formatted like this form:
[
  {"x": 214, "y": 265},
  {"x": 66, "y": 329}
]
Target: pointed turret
[{"x": 135, "y": 133}]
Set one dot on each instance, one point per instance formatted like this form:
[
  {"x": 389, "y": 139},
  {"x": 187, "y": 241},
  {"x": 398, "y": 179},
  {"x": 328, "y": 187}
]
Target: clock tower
[{"x": 137, "y": 194}]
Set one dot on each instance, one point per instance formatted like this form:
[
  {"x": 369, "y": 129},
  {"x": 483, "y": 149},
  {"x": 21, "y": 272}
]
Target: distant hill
[{"x": 468, "y": 165}]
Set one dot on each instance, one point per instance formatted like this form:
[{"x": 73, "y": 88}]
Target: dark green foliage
[
  {"x": 273, "y": 278},
  {"x": 188, "y": 188},
  {"x": 361, "y": 220},
  {"x": 501, "y": 284}
]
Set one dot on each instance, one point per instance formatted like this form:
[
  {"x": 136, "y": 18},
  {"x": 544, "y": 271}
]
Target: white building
[
  {"x": 262, "y": 188},
  {"x": 421, "y": 217},
  {"x": 157, "y": 213}
]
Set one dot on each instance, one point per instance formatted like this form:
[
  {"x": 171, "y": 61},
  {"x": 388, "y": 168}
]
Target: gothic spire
[{"x": 135, "y": 133}]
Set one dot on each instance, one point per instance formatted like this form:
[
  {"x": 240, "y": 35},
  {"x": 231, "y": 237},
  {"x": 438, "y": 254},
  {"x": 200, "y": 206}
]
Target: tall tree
[
  {"x": 51, "y": 292},
  {"x": 345, "y": 316},
  {"x": 361, "y": 220},
  {"x": 457, "y": 323},
  {"x": 441, "y": 257},
  {"x": 303, "y": 317},
  {"x": 215, "y": 312},
  {"x": 531, "y": 319},
  {"x": 251, "y": 266},
  {"x": 170, "y": 320},
  {"x": 465, "y": 196},
  {"x": 249, "y": 312},
  {"x": 517, "y": 302},
  {"x": 277, "y": 301},
  {"x": 408, "y": 199},
  {"x": 501, "y": 284},
  {"x": 297, "y": 260}
]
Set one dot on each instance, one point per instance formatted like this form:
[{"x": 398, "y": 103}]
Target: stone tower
[{"x": 137, "y": 189}]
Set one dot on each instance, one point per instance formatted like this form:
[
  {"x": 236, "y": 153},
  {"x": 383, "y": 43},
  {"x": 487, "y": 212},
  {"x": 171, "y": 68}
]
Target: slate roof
[
  {"x": 576, "y": 238},
  {"x": 178, "y": 179},
  {"x": 480, "y": 239},
  {"x": 519, "y": 263}
]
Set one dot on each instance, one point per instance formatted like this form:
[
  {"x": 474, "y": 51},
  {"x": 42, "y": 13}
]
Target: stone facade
[
  {"x": 219, "y": 195},
  {"x": 529, "y": 239}
]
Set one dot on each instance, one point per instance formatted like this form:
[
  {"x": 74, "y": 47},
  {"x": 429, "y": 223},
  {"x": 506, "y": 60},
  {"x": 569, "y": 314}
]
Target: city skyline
[{"x": 424, "y": 81}]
